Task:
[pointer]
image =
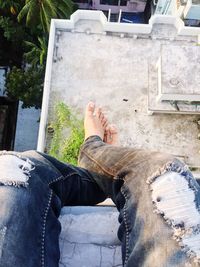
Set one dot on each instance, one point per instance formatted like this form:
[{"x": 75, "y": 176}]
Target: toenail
[{"x": 91, "y": 105}]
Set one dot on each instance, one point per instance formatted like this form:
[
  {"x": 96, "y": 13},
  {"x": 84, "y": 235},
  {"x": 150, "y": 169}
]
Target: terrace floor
[{"x": 114, "y": 72}]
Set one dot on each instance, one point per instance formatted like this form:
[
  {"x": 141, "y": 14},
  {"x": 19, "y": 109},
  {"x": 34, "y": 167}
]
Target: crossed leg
[
  {"x": 32, "y": 199},
  {"x": 156, "y": 195}
]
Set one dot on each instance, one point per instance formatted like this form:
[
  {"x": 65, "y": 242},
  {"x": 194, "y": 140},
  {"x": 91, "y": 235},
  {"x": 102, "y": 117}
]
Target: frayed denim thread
[
  {"x": 188, "y": 238},
  {"x": 25, "y": 165}
]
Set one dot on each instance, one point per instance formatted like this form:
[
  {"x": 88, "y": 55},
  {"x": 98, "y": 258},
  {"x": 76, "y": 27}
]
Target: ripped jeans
[
  {"x": 158, "y": 201},
  {"x": 156, "y": 195},
  {"x": 33, "y": 188}
]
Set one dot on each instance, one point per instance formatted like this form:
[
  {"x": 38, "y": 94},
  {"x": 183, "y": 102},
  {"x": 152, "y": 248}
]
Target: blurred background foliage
[{"x": 24, "y": 30}]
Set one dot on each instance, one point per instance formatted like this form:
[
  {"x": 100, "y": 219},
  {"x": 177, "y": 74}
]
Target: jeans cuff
[{"x": 93, "y": 138}]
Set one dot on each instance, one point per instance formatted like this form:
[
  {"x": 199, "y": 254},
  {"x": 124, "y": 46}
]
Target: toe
[
  {"x": 90, "y": 108},
  {"x": 104, "y": 122},
  {"x": 101, "y": 118},
  {"x": 99, "y": 112},
  {"x": 113, "y": 129}
]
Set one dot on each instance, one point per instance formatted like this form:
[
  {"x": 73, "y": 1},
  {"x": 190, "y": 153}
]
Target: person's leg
[
  {"x": 33, "y": 188},
  {"x": 28, "y": 222},
  {"x": 76, "y": 186},
  {"x": 142, "y": 184},
  {"x": 111, "y": 160}
]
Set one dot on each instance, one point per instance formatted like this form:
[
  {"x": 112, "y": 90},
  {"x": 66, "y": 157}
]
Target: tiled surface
[{"x": 89, "y": 237}]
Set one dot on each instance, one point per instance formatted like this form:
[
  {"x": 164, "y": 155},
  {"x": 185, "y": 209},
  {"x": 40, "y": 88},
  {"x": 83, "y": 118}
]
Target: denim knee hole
[{"x": 15, "y": 170}]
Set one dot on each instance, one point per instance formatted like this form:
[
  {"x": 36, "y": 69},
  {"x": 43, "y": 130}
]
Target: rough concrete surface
[
  {"x": 183, "y": 78},
  {"x": 89, "y": 237},
  {"x": 114, "y": 72}
]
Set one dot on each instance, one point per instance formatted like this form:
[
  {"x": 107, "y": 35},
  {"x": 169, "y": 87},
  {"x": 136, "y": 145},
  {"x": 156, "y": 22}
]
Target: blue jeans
[
  {"x": 34, "y": 187},
  {"x": 158, "y": 201}
]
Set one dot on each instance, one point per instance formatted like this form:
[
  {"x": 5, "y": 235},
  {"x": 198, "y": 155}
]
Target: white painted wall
[{"x": 27, "y": 128}]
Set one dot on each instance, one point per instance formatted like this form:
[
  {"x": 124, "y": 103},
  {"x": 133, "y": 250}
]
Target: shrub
[
  {"x": 26, "y": 85},
  {"x": 68, "y": 134}
]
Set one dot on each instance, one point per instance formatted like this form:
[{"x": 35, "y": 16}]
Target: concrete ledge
[
  {"x": 93, "y": 15},
  {"x": 47, "y": 86}
]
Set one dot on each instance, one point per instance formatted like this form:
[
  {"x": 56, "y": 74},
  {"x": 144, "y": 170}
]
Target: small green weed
[{"x": 68, "y": 135}]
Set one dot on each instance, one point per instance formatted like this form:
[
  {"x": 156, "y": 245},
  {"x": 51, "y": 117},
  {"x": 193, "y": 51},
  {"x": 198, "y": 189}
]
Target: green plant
[
  {"x": 68, "y": 134},
  {"x": 37, "y": 52},
  {"x": 12, "y": 36},
  {"x": 26, "y": 85},
  {"x": 40, "y": 12},
  {"x": 24, "y": 28},
  {"x": 12, "y": 31},
  {"x": 10, "y": 6}
]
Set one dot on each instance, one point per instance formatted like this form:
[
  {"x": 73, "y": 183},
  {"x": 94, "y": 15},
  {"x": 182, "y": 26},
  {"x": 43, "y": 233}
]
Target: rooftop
[{"x": 116, "y": 65}]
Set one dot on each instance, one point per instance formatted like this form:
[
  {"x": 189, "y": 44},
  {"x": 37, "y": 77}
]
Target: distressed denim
[
  {"x": 158, "y": 201},
  {"x": 156, "y": 195},
  {"x": 33, "y": 188}
]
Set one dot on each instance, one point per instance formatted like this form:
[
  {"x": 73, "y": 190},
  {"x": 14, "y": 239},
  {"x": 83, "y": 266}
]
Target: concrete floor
[
  {"x": 84, "y": 242},
  {"x": 114, "y": 72},
  {"x": 176, "y": 57}
]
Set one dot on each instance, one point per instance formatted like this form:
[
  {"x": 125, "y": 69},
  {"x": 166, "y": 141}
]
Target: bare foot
[
  {"x": 111, "y": 135},
  {"x": 95, "y": 121}
]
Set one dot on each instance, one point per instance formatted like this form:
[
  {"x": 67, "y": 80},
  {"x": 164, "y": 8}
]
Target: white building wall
[{"x": 27, "y": 128}]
